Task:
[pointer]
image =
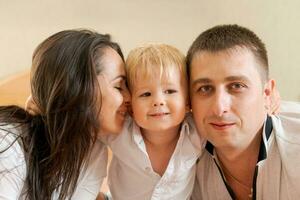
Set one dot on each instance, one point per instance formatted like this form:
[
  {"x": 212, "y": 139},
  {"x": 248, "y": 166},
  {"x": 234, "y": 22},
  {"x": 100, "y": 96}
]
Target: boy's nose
[
  {"x": 158, "y": 104},
  {"x": 158, "y": 100}
]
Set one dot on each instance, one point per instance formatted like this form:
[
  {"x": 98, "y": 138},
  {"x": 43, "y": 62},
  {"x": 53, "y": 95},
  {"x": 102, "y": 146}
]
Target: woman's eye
[
  {"x": 145, "y": 94},
  {"x": 170, "y": 91},
  {"x": 119, "y": 88}
]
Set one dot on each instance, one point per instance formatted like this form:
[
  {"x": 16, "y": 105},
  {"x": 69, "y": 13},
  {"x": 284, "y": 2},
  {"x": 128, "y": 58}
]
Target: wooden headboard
[{"x": 15, "y": 89}]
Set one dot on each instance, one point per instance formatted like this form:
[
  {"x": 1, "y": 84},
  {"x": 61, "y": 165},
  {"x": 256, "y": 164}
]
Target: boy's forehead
[
  {"x": 156, "y": 72},
  {"x": 165, "y": 77},
  {"x": 155, "y": 77}
]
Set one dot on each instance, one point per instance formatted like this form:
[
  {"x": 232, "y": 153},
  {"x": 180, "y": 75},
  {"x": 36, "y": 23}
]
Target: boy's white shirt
[{"x": 131, "y": 175}]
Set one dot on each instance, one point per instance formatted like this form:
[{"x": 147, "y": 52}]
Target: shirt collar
[
  {"x": 138, "y": 138},
  {"x": 268, "y": 127}
]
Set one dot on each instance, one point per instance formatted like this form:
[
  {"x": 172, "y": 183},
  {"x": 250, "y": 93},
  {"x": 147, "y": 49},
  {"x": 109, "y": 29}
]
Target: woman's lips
[{"x": 122, "y": 112}]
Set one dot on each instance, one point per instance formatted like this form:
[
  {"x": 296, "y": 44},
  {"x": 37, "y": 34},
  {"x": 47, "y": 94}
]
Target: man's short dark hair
[{"x": 224, "y": 37}]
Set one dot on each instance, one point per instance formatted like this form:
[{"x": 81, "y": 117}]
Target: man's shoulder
[
  {"x": 290, "y": 108},
  {"x": 286, "y": 124}
]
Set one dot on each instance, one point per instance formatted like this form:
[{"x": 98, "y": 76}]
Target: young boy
[{"x": 155, "y": 155}]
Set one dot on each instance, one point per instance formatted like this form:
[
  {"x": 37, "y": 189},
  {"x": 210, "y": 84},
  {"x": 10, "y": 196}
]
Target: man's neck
[{"x": 238, "y": 165}]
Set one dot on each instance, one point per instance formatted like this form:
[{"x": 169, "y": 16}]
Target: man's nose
[{"x": 221, "y": 102}]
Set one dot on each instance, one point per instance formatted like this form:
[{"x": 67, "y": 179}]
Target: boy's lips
[{"x": 159, "y": 114}]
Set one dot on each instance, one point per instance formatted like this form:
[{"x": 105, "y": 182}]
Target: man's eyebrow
[
  {"x": 237, "y": 78},
  {"x": 201, "y": 81},
  {"x": 229, "y": 78}
]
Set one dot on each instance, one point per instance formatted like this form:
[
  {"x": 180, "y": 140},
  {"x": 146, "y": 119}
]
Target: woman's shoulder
[
  {"x": 8, "y": 135},
  {"x": 10, "y": 148},
  {"x": 12, "y": 162}
]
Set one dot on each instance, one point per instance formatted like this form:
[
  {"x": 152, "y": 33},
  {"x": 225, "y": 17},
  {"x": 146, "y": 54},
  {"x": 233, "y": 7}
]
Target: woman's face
[{"x": 114, "y": 93}]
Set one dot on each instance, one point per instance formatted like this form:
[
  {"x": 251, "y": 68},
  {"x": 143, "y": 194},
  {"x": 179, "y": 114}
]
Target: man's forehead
[
  {"x": 223, "y": 66},
  {"x": 235, "y": 51}
]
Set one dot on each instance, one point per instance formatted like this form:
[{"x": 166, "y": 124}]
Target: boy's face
[
  {"x": 228, "y": 97},
  {"x": 159, "y": 104}
]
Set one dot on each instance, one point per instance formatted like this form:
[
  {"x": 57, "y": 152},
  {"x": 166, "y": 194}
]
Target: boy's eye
[
  {"x": 145, "y": 94},
  {"x": 170, "y": 91}
]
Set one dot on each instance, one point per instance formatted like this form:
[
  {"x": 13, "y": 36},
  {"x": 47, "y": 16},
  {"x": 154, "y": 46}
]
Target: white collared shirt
[
  {"x": 277, "y": 176},
  {"x": 13, "y": 170},
  {"x": 131, "y": 175}
]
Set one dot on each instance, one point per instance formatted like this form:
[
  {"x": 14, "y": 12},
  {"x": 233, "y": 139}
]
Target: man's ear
[
  {"x": 269, "y": 88},
  {"x": 272, "y": 97}
]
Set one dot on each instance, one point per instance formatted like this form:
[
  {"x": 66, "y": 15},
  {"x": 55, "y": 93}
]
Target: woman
[{"x": 78, "y": 84}]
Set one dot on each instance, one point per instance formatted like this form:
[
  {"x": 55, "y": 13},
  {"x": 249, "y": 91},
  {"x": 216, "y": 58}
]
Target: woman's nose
[{"x": 127, "y": 97}]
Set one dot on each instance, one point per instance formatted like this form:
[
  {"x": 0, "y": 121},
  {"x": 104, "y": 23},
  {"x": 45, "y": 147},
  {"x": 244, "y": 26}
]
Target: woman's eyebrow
[{"x": 120, "y": 76}]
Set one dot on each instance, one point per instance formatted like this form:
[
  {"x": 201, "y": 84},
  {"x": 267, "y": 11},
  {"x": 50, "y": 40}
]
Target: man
[{"x": 248, "y": 154}]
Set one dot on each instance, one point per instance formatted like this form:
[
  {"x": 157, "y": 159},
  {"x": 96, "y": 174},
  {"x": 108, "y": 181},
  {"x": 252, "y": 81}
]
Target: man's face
[{"x": 228, "y": 97}]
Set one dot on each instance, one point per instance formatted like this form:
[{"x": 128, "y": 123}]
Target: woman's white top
[{"x": 13, "y": 169}]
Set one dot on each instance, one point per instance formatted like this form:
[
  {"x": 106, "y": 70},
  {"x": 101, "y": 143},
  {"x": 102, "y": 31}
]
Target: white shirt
[
  {"x": 131, "y": 175},
  {"x": 278, "y": 175},
  {"x": 13, "y": 170}
]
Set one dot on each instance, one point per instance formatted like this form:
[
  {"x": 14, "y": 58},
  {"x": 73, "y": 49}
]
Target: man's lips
[{"x": 221, "y": 125}]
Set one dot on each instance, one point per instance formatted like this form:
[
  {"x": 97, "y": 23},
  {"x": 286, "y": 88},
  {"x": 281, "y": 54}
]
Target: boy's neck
[
  {"x": 162, "y": 138},
  {"x": 160, "y": 146}
]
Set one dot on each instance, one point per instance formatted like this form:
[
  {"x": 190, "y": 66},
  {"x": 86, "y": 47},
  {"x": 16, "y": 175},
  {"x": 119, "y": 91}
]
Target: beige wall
[{"x": 131, "y": 22}]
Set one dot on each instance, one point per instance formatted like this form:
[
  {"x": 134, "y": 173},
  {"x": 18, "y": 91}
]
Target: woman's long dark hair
[{"x": 57, "y": 142}]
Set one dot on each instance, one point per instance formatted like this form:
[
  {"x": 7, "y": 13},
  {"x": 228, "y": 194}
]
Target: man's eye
[
  {"x": 170, "y": 91},
  {"x": 237, "y": 86},
  {"x": 145, "y": 94},
  {"x": 205, "y": 89}
]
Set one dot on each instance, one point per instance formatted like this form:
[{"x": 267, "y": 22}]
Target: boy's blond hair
[{"x": 146, "y": 59}]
